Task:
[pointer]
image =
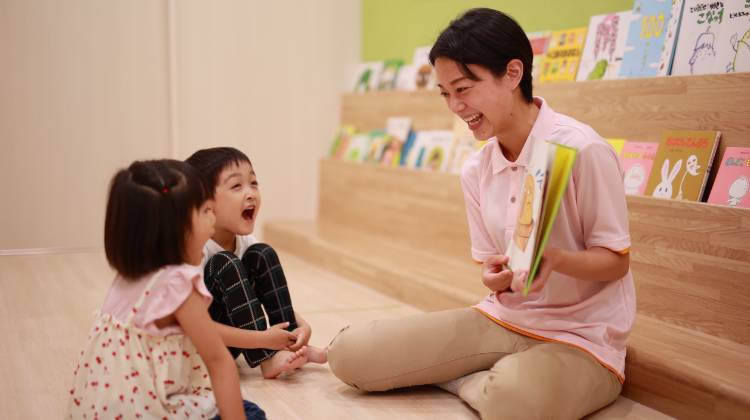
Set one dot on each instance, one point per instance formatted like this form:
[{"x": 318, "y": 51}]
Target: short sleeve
[
  {"x": 600, "y": 196},
  {"x": 170, "y": 292},
  {"x": 481, "y": 242}
]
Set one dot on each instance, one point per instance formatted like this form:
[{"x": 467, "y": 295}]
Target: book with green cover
[{"x": 544, "y": 182}]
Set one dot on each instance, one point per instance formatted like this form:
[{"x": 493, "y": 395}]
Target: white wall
[{"x": 88, "y": 86}]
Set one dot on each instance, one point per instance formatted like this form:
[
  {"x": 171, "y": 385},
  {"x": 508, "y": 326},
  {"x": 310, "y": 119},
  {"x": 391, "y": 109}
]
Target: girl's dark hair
[
  {"x": 488, "y": 38},
  {"x": 149, "y": 214},
  {"x": 210, "y": 163}
]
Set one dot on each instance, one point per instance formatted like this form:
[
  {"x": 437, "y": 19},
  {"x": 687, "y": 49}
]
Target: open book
[{"x": 544, "y": 183}]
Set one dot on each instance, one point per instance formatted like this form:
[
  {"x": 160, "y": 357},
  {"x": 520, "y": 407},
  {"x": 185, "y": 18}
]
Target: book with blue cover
[{"x": 651, "y": 38}]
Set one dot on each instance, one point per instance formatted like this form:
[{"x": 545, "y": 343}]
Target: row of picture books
[
  {"x": 676, "y": 167},
  {"x": 654, "y": 38}
]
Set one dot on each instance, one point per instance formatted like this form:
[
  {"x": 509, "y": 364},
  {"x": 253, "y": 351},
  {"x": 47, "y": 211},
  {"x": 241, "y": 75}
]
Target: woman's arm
[
  {"x": 193, "y": 317},
  {"x": 594, "y": 264}
]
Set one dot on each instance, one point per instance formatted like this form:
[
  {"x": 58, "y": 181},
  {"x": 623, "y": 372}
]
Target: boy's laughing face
[{"x": 236, "y": 200}]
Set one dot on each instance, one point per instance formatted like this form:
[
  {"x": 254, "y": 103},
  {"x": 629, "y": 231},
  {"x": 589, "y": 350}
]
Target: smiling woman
[{"x": 558, "y": 352}]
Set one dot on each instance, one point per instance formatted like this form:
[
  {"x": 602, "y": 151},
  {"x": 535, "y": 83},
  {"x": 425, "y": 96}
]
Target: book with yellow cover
[
  {"x": 544, "y": 182},
  {"x": 563, "y": 55}
]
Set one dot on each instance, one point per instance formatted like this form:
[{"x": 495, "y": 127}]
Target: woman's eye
[
  {"x": 462, "y": 89},
  {"x": 444, "y": 94}
]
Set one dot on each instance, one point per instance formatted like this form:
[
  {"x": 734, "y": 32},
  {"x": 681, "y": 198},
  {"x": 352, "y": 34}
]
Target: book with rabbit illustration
[
  {"x": 732, "y": 182},
  {"x": 651, "y": 38},
  {"x": 563, "y": 54},
  {"x": 637, "y": 160},
  {"x": 605, "y": 46},
  {"x": 543, "y": 184},
  {"x": 714, "y": 37},
  {"x": 682, "y": 164}
]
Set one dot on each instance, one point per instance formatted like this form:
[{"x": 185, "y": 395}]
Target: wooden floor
[{"x": 46, "y": 307}]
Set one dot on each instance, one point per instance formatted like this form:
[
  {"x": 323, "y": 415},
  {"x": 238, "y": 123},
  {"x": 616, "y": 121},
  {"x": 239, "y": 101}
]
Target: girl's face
[
  {"x": 237, "y": 200},
  {"x": 486, "y": 104},
  {"x": 202, "y": 229}
]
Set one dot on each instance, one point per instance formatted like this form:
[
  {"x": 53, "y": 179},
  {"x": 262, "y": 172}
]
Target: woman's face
[{"x": 485, "y": 104}]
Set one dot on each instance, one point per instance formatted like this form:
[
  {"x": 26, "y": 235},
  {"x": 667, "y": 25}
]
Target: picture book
[
  {"x": 563, "y": 55},
  {"x": 431, "y": 150},
  {"x": 651, "y": 38},
  {"x": 539, "y": 41},
  {"x": 358, "y": 146},
  {"x": 464, "y": 145},
  {"x": 544, "y": 182},
  {"x": 682, "y": 164},
  {"x": 341, "y": 142},
  {"x": 732, "y": 181},
  {"x": 378, "y": 140},
  {"x": 389, "y": 74},
  {"x": 424, "y": 73},
  {"x": 605, "y": 46},
  {"x": 408, "y": 146},
  {"x": 616, "y": 144},
  {"x": 637, "y": 160},
  {"x": 407, "y": 78},
  {"x": 397, "y": 129},
  {"x": 714, "y": 38},
  {"x": 366, "y": 76}
]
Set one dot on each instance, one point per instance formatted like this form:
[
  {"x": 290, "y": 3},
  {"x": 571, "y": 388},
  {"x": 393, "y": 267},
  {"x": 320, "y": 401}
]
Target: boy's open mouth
[{"x": 248, "y": 214}]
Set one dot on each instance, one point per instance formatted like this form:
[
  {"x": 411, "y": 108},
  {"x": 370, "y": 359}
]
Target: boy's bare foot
[
  {"x": 317, "y": 355},
  {"x": 283, "y": 361}
]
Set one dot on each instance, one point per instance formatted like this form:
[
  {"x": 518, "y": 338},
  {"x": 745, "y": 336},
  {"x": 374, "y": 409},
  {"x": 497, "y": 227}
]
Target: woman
[{"x": 558, "y": 352}]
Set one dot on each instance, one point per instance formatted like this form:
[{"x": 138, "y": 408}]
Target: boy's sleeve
[
  {"x": 481, "y": 242},
  {"x": 601, "y": 198}
]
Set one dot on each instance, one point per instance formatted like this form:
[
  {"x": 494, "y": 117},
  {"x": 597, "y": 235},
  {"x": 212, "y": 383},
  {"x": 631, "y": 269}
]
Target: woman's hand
[
  {"x": 303, "y": 333},
  {"x": 494, "y": 275},
  {"x": 550, "y": 260}
]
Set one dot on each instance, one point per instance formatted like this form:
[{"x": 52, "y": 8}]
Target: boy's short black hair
[
  {"x": 488, "y": 38},
  {"x": 149, "y": 214},
  {"x": 210, "y": 163}
]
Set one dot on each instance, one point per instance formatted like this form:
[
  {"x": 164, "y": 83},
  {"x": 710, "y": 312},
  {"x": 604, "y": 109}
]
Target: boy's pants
[
  {"x": 240, "y": 287},
  {"x": 517, "y": 377}
]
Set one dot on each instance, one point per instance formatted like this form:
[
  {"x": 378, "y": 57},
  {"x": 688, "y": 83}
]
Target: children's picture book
[
  {"x": 397, "y": 129},
  {"x": 682, "y": 164},
  {"x": 605, "y": 46},
  {"x": 637, "y": 160},
  {"x": 651, "y": 38},
  {"x": 424, "y": 73},
  {"x": 407, "y": 78},
  {"x": 732, "y": 181},
  {"x": 431, "y": 150},
  {"x": 714, "y": 38},
  {"x": 616, "y": 144},
  {"x": 389, "y": 74},
  {"x": 563, "y": 55},
  {"x": 376, "y": 146},
  {"x": 539, "y": 41},
  {"x": 358, "y": 146},
  {"x": 464, "y": 145},
  {"x": 366, "y": 76},
  {"x": 544, "y": 182},
  {"x": 408, "y": 146},
  {"x": 340, "y": 143}
]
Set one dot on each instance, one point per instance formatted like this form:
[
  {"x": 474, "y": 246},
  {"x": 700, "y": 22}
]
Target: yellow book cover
[{"x": 563, "y": 55}]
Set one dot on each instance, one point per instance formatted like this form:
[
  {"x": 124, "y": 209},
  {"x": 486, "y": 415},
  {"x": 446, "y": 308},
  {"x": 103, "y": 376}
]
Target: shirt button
[
  {"x": 513, "y": 199},
  {"x": 514, "y": 168}
]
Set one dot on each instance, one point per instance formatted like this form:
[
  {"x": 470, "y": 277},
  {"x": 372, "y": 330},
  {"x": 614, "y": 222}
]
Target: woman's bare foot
[
  {"x": 317, "y": 355},
  {"x": 283, "y": 361}
]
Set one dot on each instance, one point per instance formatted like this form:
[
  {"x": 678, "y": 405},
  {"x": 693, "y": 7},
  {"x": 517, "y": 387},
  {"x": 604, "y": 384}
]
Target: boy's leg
[
  {"x": 235, "y": 302},
  {"x": 419, "y": 349},
  {"x": 547, "y": 381},
  {"x": 265, "y": 272}
]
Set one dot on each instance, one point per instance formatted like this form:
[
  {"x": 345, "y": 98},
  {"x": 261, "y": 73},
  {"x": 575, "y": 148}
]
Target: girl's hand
[
  {"x": 277, "y": 338},
  {"x": 494, "y": 275},
  {"x": 303, "y": 333}
]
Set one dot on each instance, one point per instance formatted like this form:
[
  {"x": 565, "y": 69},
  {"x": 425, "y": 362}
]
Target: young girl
[
  {"x": 558, "y": 352},
  {"x": 153, "y": 351}
]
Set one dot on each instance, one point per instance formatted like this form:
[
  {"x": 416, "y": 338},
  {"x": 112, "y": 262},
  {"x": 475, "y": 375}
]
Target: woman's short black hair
[
  {"x": 149, "y": 214},
  {"x": 488, "y": 38},
  {"x": 210, "y": 163}
]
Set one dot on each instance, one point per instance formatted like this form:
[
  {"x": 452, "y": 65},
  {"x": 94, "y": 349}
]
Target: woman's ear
[{"x": 514, "y": 72}]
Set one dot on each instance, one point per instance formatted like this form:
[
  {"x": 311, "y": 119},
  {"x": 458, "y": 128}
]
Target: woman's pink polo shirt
[{"x": 595, "y": 316}]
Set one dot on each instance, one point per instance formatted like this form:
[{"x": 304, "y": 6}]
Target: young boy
[{"x": 245, "y": 276}]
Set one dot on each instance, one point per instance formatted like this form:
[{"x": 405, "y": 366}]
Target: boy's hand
[
  {"x": 277, "y": 338},
  {"x": 494, "y": 275},
  {"x": 303, "y": 333}
]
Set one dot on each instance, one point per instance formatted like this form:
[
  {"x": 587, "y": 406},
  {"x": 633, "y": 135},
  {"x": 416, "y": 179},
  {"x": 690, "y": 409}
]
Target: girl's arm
[
  {"x": 274, "y": 338},
  {"x": 193, "y": 317},
  {"x": 302, "y": 332}
]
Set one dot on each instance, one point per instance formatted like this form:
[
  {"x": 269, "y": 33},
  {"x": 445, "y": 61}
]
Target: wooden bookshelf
[{"x": 404, "y": 232}]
